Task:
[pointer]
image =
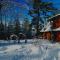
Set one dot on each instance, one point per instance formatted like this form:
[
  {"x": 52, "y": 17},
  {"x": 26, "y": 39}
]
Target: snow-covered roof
[
  {"x": 46, "y": 28},
  {"x": 13, "y": 35},
  {"x": 57, "y": 29},
  {"x": 54, "y": 16}
]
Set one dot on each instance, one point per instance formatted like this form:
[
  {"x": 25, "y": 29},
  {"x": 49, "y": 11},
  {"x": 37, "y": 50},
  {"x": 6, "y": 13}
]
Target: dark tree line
[
  {"x": 15, "y": 28},
  {"x": 38, "y": 8}
]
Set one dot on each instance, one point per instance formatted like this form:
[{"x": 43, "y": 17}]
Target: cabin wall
[
  {"x": 56, "y": 23},
  {"x": 57, "y": 36},
  {"x": 47, "y": 35}
]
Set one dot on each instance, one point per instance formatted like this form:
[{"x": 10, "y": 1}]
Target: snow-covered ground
[{"x": 38, "y": 50}]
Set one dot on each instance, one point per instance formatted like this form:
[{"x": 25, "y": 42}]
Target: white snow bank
[
  {"x": 34, "y": 49},
  {"x": 57, "y": 29},
  {"x": 44, "y": 50},
  {"x": 24, "y": 49},
  {"x": 58, "y": 55},
  {"x": 9, "y": 49},
  {"x": 12, "y": 48}
]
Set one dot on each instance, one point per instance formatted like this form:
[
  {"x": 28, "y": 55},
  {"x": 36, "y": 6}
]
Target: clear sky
[
  {"x": 56, "y": 3},
  {"x": 21, "y": 10}
]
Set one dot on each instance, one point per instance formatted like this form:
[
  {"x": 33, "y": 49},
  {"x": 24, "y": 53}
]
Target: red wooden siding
[
  {"x": 56, "y": 23},
  {"x": 57, "y": 36},
  {"x": 47, "y": 35}
]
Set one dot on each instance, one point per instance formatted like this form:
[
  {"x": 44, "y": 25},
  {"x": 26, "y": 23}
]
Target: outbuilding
[{"x": 52, "y": 30}]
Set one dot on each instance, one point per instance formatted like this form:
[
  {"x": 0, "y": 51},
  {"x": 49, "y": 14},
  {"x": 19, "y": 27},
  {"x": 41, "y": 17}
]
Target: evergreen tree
[
  {"x": 35, "y": 12},
  {"x": 10, "y": 27},
  {"x": 26, "y": 24},
  {"x": 1, "y": 23},
  {"x": 27, "y": 27},
  {"x": 17, "y": 26},
  {"x": 1, "y": 27}
]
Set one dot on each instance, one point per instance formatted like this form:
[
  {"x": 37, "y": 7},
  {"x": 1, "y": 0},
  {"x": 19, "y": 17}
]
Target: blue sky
[
  {"x": 23, "y": 13},
  {"x": 56, "y": 3}
]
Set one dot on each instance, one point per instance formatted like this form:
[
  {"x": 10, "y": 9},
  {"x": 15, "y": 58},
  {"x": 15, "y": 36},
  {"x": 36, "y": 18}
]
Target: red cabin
[{"x": 53, "y": 32}]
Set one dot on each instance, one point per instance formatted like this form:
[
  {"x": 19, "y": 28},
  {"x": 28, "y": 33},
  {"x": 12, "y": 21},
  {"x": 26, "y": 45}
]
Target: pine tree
[
  {"x": 17, "y": 26},
  {"x": 36, "y": 18},
  {"x": 1, "y": 23},
  {"x": 26, "y": 26},
  {"x": 35, "y": 12},
  {"x": 10, "y": 27},
  {"x": 1, "y": 27}
]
